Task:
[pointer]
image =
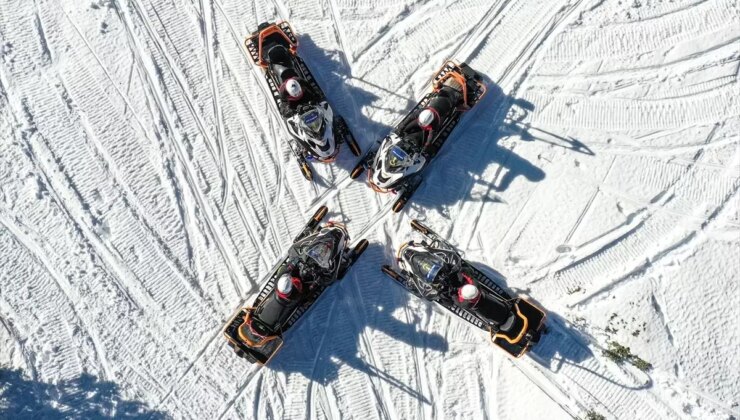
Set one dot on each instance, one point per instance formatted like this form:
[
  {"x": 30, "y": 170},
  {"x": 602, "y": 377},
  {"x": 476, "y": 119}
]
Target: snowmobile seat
[
  {"x": 283, "y": 73},
  {"x": 278, "y": 54},
  {"x": 273, "y": 311},
  {"x": 442, "y": 104},
  {"x": 496, "y": 312}
]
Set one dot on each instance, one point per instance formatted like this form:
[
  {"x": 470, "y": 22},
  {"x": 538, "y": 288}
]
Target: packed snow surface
[{"x": 146, "y": 190}]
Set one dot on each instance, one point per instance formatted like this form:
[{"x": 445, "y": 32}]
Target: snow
[{"x": 146, "y": 191}]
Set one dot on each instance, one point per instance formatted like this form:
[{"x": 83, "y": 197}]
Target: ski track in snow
[{"x": 146, "y": 188}]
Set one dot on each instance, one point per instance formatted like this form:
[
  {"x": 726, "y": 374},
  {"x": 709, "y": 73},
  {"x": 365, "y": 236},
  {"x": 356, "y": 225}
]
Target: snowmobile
[
  {"x": 396, "y": 162},
  {"x": 319, "y": 256},
  {"x": 315, "y": 129},
  {"x": 434, "y": 271}
]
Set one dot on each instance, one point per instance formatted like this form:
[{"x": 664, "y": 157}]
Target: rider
[{"x": 295, "y": 91}]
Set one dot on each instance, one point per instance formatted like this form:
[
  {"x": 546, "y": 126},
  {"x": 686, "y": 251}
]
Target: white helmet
[
  {"x": 293, "y": 88},
  {"x": 425, "y": 118},
  {"x": 469, "y": 292},
  {"x": 285, "y": 284}
]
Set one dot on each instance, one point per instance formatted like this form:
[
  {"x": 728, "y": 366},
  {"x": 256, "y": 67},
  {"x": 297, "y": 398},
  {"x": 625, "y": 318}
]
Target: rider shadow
[
  {"x": 474, "y": 145},
  {"x": 346, "y": 328},
  {"x": 331, "y": 70}
]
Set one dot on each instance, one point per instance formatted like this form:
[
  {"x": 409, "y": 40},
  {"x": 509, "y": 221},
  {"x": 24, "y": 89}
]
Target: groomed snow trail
[{"x": 146, "y": 191}]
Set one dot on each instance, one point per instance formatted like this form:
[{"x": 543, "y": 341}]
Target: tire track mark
[
  {"x": 36, "y": 251},
  {"x": 209, "y": 24},
  {"x": 188, "y": 171},
  {"x": 5, "y": 320},
  {"x": 381, "y": 394},
  {"x": 132, "y": 204},
  {"x": 517, "y": 68},
  {"x": 179, "y": 79}
]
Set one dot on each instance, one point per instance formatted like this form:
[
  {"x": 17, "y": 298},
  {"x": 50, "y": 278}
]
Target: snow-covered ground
[{"x": 146, "y": 191}]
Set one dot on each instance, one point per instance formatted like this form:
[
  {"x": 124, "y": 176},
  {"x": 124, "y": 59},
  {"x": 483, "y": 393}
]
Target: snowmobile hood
[
  {"x": 421, "y": 262},
  {"x": 393, "y": 163},
  {"x": 312, "y": 121},
  {"x": 324, "y": 248},
  {"x": 313, "y": 127}
]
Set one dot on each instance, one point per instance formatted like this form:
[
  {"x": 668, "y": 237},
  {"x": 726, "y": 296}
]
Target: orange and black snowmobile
[
  {"x": 320, "y": 255},
  {"x": 437, "y": 272},
  {"x": 316, "y": 129},
  {"x": 396, "y": 162}
]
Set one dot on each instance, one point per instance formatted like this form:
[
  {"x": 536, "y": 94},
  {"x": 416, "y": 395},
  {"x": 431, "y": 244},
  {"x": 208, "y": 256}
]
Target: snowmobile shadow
[
  {"x": 457, "y": 173},
  {"x": 84, "y": 397},
  {"x": 347, "y": 329},
  {"x": 332, "y": 72},
  {"x": 564, "y": 345}
]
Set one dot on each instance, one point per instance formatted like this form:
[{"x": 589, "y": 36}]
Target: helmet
[
  {"x": 285, "y": 284},
  {"x": 469, "y": 292},
  {"x": 426, "y": 117},
  {"x": 293, "y": 88}
]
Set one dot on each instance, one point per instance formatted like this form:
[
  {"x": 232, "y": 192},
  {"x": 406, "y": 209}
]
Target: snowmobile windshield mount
[
  {"x": 321, "y": 251},
  {"x": 397, "y": 158},
  {"x": 313, "y": 121}
]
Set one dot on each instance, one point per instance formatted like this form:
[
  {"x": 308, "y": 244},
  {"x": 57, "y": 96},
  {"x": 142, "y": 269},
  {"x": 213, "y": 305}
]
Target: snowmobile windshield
[
  {"x": 427, "y": 266},
  {"x": 397, "y": 158},
  {"x": 313, "y": 122},
  {"x": 321, "y": 251}
]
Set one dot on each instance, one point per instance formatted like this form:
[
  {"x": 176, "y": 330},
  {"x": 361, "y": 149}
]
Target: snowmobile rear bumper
[
  {"x": 517, "y": 343},
  {"x": 254, "y": 42},
  {"x": 255, "y": 351}
]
